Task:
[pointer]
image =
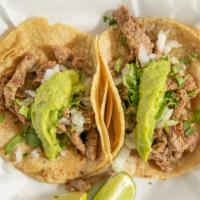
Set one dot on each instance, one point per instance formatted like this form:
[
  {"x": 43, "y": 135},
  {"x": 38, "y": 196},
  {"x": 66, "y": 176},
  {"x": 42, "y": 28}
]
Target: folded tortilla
[
  {"x": 190, "y": 40},
  {"x": 37, "y": 37}
]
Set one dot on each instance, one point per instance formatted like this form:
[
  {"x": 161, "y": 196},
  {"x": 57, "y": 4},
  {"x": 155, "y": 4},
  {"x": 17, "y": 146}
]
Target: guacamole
[
  {"x": 51, "y": 97},
  {"x": 151, "y": 93}
]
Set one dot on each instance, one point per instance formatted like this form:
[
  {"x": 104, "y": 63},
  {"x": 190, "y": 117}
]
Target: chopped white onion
[
  {"x": 50, "y": 72},
  {"x": 166, "y": 115},
  {"x": 174, "y": 60},
  {"x": 152, "y": 56},
  {"x": 129, "y": 141},
  {"x": 35, "y": 153},
  {"x": 161, "y": 41},
  {"x": 18, "y": 155},
  {"x": 171, "y": 44},
  {"x": 142, "y": 55},
  {"x": 77, "y": 118},
  {"x": 31, "y": 93},
  {"x": 78, "y": 129},
  {"x": 62, "y": 68},
  {"x": 117, "y": 80},
  {"x": 64, "y": 120},
  {"x": 63, "y": 153},
  {"x": 125, "y": 70},
  {"x": 120, "y": 160}
]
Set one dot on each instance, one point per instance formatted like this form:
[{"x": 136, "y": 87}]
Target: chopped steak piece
[
  {"x": 190, "y": 84},
  {"x": 92, "y": 144},
  {"x": 41, "y": 71},
  {"x": 121, "y": 15},
  {"x": 133, "y": 31},
  {"x": 7, "y": 74},
  {"x": 183, "y": 100},
  {"x": 67, "y": 57},
  {"x": 18, "y": 79},
  {"x": 77, "y": 142},
  {"x": 172, "y": 85},
  {"x": 85, "y": 184},
  {"x": 169, "y": 147},
  {"x": 89, "y": 119}
]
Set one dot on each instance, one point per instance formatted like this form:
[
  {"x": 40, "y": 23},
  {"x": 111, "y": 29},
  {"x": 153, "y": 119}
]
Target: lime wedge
[
  {"x": 119, "y": 187},
  {"x": 72, "y": 196}
]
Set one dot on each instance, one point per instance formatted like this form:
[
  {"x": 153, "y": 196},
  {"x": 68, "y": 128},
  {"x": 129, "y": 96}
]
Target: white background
[{"x": 87, "y": 16}]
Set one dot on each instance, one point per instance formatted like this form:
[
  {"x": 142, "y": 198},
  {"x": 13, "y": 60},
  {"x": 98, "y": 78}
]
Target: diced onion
[
  {"x": 78, "y": 129},
  {"x": 166, "y": 115},
  {"x": 78, "y": 119},
  {"x": 117, "y": 80},
  {"x": 129, "y": 141},
  {"x": 120, "y": 160},
  {"x": 64, "y": 120},
  {"x": 31, "y": 93},
  {"x": 152, "y": 56},
  {"x": 161, "y": 41},
  {"x": 174, "y": 60},
  {"x": 142, "y": 55},
  {"x": 18, "y": 155},
  {"x": 35, "y": 153},
  {"x": 50, "y": 72},
  {"x": 171, "y": 44}
]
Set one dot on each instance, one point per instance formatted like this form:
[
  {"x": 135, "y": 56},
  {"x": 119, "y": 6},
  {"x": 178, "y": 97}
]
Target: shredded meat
[
  {"x": 3, "y": 81},
  {"x": 85, "y": 184},
  {"x": 67, "y": 57},
  {"x": 92, "y": 144},
  {"x": 77, "y": 142},
  {"x": 89, "y": 119},
  {"x": 169, "y": 147},
  {"x": 41, "y": 70},
  {"x": 183, "y": 100},
  {"x": 172, "y": 85},
  {"x": 18, "y": 79},
  {"x": 132, "y": 30},
  {"x": 190, "y": 84}
]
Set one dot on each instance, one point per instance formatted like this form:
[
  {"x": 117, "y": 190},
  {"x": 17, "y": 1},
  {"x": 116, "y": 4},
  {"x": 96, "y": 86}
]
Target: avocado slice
[
  {"x": 52, "y": 96},
  {"x": 151, "y": 94}
]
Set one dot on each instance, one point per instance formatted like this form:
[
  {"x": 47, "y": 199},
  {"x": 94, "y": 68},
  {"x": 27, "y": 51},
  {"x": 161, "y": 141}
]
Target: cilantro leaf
[
  {"x": 180, "y": 80},
  {"x": 111, "y": 21},
  {"x": 131, "y": 82},
  {"x": 189, "y": 131},
  {"x": 31, "y": 137},
  {"x": 117, "y": 67},
  {"x": 25, "y": 111},
  {"x": 194, "y": 55},
  {"x": 10, "y": 146},
  {"x": 183, "y": 61}
]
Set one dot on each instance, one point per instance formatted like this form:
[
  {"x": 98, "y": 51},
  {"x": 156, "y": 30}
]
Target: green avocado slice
[
  {"x": 52, "y": 96},
  {"x": 151, "y": 94}
]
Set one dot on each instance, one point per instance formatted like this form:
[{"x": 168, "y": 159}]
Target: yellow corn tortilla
[
  {"x": 109, "y": 41},
  {"x": 37, "y": 36}
]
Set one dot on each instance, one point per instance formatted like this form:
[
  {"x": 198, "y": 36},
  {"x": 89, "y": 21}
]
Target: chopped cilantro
[
  {"x": 2, "y": 118},
  {"x": 180, "y": 80},
  {"x": 75, "y": 101},
  {"x": 10, "y": 146},
  {"x": 189, "y": 131},
  {"x": 196, "y": 115},
  {"x": 111, "y": 21},
  {"x": 25, "y": 111},
  {"x": 175, "y": 69},
  {"x": 118, "y": 67},
  {"x": 131, "y": 82},
  {"x": 31, "y": 137},
  {"x": 26, "y": 102},
  {"x": 192, "y": 93},
  {"x": 170, "y": 99},
  {"x": 63, "y": 139},
  {"x": 183, "y": 61}
]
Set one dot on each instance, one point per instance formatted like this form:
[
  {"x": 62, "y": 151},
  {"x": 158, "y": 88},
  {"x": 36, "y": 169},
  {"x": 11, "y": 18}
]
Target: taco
[
  {"x": 153, "y": 66},
  {"x": 49, "y": 96}
]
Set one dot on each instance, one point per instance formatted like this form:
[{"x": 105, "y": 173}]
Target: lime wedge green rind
[
  {"x": 119, "y": 187},
  {"x": 72, "y": 196}
]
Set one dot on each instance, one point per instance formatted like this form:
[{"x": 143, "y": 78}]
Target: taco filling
[
  {"x": 52, "y": 102},
  {"x": 156, "y": 91}
]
